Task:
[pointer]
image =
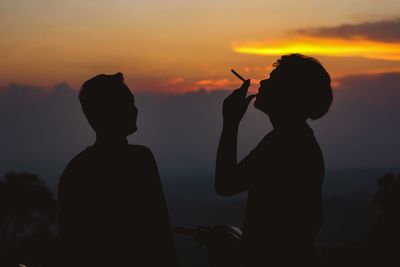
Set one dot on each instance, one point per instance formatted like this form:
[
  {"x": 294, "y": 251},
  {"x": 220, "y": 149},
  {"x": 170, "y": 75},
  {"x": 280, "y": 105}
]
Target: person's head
[
  {"x": 109, "y": 105},
  {"x": 298, "y": 87}
]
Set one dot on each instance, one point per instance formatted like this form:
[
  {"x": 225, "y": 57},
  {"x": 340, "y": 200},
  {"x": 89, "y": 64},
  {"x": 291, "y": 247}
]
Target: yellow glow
[{"x": 324, "y": 47}]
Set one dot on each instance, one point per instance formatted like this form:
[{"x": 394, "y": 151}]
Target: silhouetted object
[
  {"x": 112, "y": 207},
  {"x": 383, "y": 243},
  {"x": 284, "y": 173},
  {"x": 221, "y": 242},
  {"x": 27, "y": 221}
]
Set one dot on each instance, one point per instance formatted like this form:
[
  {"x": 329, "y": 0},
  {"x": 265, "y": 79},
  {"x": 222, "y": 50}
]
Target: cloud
[
  {"x": 374, "y": 40},
  {"x": 380, "y": 31},
  {"x": 362, "y": 127},
  {"x": 178, "y": 84},
  {"x": 318, "y": 46},
  {"x": 175, "y": 81},
  {"x": 215, "y": 83}
]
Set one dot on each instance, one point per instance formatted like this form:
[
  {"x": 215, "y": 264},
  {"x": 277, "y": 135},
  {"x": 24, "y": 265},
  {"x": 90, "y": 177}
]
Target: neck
[
  {"x": 107, "y": 139},
  {"x": 279, "y": 123}
]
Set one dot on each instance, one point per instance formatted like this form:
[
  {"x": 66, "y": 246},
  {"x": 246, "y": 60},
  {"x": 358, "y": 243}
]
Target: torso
[
  {"x": 111, "y": 201},
  {"x": 284, "y": 206}
]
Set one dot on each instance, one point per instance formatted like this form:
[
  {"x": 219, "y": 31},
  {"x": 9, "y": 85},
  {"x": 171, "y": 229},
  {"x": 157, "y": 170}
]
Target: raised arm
[{"x": 227, "y": 179}]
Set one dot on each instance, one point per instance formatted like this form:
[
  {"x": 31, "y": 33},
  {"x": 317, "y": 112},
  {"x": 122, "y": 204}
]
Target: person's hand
[{"x": 235, "y": 105}]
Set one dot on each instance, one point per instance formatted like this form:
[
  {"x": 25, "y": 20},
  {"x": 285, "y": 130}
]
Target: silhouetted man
[
  {"x": 283, "y": 174},
  {"x": 112, "y": 207}
]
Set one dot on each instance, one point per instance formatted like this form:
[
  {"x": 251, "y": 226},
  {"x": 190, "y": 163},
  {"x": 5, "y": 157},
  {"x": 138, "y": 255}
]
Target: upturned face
[
  {"x": 269, "y": 92},
  {"x": 125, "y": 112},
  {"x": 114, "y": 114}
]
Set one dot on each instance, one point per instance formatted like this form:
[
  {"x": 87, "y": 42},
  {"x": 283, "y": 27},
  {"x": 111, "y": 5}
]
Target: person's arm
[
  {"x": 228, "y": 180},
  {"x": 69, "y": 214}
]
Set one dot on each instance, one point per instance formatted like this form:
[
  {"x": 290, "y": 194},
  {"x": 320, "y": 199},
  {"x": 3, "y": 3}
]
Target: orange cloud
[
  {"x": 323, "y": 47},
  {"x": 218, "y": 83},
  {"x": 174, "y": 81}
]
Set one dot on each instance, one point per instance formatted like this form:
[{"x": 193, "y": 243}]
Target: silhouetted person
[
  {"x": 284, "y": 173},
  {"x": 112, "y": 207},
  {"x": 383, "y": 242}
]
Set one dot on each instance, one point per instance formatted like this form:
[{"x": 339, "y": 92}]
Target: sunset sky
[
  {"x": 169, "y": 51},
  {"x": 180, "y": 45},
  {"x": 176, "y": 57}
]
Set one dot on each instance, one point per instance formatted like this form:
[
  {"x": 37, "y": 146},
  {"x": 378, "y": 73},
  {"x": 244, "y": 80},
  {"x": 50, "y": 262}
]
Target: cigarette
[{"x": 237, "y": 75}]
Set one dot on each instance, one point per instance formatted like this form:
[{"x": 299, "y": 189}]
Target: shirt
[{"x": 284, "y": 176}]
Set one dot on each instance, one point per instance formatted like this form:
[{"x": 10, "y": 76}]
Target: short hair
[
  {"x": 104, "y": 99},
  {"x": 96, "y": 92},
  {"x": 310, "y": 82}
]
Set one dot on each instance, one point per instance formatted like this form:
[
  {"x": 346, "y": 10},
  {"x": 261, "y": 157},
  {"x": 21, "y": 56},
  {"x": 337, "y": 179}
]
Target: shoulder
[
  {"x": 74, "y": 167},
  {"x": 140, "y": 149},
  {"x": 79, "y": 159},
  {"x": 76, "y": 164},
  {"x": 143, "y": 156}
]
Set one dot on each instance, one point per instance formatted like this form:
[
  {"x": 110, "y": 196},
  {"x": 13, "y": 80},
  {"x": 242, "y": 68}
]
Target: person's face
[
  {"x": 119, "y": 115},
  {"x": 268, "y": 92},
  {"x": 128, "y": 112}
]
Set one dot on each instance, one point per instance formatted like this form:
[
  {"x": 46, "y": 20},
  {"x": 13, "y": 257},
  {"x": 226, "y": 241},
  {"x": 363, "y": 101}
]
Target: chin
[
  {"x": 260, "y": 107},
  {"x": 131, "y": 130}
]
